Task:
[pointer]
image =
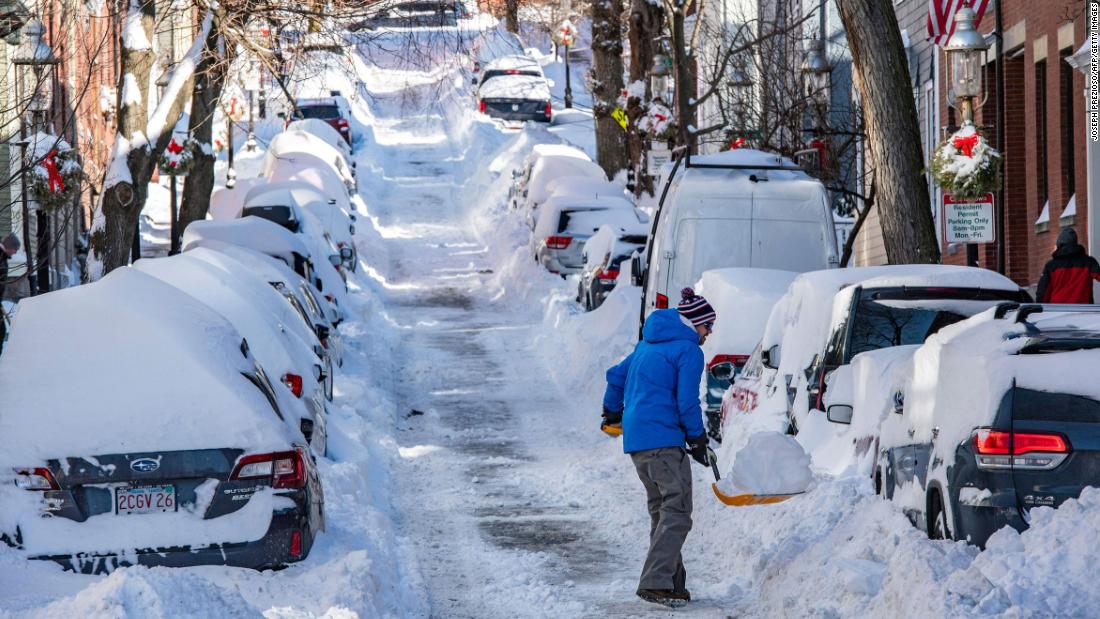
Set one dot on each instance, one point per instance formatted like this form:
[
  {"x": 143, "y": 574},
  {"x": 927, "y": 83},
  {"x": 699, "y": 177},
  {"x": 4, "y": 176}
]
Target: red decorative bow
[
  {"x": 53, "y": 175},
  {"x": 734, "y": 145},
  {"x": 660, "y": 117},
  {"x": 821, "y": 148},
  {"x": 174, "y": 147},
  {"x": 966, "y": 143}
]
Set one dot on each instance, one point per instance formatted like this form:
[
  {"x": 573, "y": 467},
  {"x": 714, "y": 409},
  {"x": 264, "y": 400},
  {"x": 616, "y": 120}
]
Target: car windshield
[
  {"x": 282, "y": 215},
  {"x": 322, "y": 112},
  {"x": 589, "y": 220}
]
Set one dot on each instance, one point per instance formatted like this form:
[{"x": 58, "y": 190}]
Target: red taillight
[
  {"x": 994, "y": 442},
  {"x": 607, "y": 276},
  {"x": 481, "y": 106},
  {"x": 294, "y": 383},
  {"x": 738, "y": 361},
  {"x": 296, "y": 544},
  {"x": 324, "y": 343},
  {"x": 330, "y": 299},
  {"x": 285, "y": 469},
  {"x": 342, "y": 125},
  {"x": 549, "y": 110},
  {"x": 37, "y": 479},
  {"x": 558, "y": 242},
  {"x": 662, "y": 301}
]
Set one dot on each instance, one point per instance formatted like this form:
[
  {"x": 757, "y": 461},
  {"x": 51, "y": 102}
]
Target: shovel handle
[{"x": 713, "y": 458}]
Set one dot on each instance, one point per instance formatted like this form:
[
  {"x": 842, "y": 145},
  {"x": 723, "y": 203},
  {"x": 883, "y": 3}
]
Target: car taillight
[
  {"x": 481, "y": 106},
  {"x": 330, "y": 299},
  {"x": 607, "y": 276},
  {"x": 35, "y": 479},
  {"x": 343, "y": 125},
  {"x": 285, "y": 469},
  {"x": 1025, "y": 450},
  {"x": 738, "y": 361},
  {"x": 324, "y": 343},
  {"x": 662, "y": 301},
  {"x": 558, "y": 242},
  {"x": 296, "y": 544},
  {"x": 294, "y": 383},
  {"x": 549, "y": 110}
]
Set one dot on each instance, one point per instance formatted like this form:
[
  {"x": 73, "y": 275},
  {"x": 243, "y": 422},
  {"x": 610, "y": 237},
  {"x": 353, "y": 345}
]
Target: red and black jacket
[{"x": 1068, "y": 277}]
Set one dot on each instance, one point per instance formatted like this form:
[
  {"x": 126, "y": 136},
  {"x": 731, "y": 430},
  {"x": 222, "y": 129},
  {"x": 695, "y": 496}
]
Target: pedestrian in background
[
  {"x": 655, "y": 391},
  {"x": 1068, "y": 276}
]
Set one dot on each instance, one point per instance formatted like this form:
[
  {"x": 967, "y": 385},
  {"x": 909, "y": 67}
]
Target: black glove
[
  {"x": 697, "y": 448},
  {"x": 612, "y": 417}
]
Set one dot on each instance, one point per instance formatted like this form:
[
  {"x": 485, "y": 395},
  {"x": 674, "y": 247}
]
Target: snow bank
[{"x": 770, "y": 463}]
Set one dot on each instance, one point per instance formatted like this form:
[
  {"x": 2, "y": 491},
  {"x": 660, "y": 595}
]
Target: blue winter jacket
[{"x": 659, "y": 385}]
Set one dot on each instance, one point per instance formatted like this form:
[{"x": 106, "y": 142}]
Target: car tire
[{"x": 937, "y": 517}]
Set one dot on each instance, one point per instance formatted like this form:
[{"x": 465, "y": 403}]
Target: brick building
[{"x": 1045, "y": 165}]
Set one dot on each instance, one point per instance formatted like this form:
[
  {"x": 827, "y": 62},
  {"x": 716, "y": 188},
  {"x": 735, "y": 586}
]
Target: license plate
[{"x": 145, "y": 500}]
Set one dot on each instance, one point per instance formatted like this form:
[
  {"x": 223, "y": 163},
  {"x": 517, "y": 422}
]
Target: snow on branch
[{"x": 133, "y": 31}]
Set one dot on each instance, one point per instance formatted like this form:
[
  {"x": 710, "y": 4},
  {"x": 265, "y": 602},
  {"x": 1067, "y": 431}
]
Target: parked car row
[{"x": 196, "y": 386}]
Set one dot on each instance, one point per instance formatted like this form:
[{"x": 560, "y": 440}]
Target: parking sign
[{"x": 969, "y": 221}]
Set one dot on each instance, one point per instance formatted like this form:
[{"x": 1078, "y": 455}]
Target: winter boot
[{"x": 665, "y": 597}]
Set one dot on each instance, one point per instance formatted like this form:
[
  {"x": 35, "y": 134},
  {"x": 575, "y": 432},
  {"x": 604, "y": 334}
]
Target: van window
[
  {"x": 704, "y": 244},
  {"x": 797, "y": 246}
]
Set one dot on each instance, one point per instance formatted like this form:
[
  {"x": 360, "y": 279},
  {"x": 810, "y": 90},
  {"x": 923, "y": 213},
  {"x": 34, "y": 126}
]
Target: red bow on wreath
[
  {"x": 660, "y": 117},
  {"x": 734, "y": 145},
  {"x": 174, "y": 147},
  {"x": 966, "y": 143},
  {"x": 53, "y": 175}
]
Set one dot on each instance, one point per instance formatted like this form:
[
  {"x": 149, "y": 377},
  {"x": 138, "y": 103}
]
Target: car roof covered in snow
[
  {"x": 226, "y": 202},
  {"x": 557, "y": 150},
  {"x": 743, "y": 299},
  {"x": 323, "y": 130},
  {"x": 528, "y": 87},
  {"x": 587, "y": 186},
  {"x": 295, "y": 142},
  {"x": 144, "y": 367},
  {"x": 547, "y": 170},
  {"x": 296, "y": 193},
  {"x": 252, "y": 232},
  {"x": 515, "y": 61},
  {"x": 617, "y": 213},
  {"x": 323, "y": 178},
  {"x": 318, "y": 101}
]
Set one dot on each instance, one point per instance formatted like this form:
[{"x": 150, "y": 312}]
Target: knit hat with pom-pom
[{"x": 695, "y": 308}]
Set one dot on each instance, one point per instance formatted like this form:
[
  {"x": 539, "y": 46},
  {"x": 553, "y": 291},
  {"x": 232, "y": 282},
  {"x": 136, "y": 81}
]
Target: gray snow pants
[{"x": 666, "y": 475}]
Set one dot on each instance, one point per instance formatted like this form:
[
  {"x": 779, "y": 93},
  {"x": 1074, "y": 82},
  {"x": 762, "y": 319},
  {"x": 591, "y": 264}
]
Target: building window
[{"x": 1066, "y": 96}]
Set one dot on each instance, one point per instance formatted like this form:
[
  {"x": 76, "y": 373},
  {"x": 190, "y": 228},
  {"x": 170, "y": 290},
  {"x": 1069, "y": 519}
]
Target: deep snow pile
[{"x": 770, "y": 463}]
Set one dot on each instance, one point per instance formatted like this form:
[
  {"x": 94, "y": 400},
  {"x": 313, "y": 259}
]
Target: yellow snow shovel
[
  {"x": 612, "y": 429},
  {"x": 741, "y": 500}
]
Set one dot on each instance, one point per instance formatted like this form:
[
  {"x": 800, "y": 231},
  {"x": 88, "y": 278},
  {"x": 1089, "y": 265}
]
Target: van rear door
[{"x": 703, "y": 244}]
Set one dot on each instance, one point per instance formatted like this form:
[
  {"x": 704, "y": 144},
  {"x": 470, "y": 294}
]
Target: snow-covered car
[
  {"x": 259, "y": 314},
  {"x": 828, "y": 317},
  {"x": 515, "y": 97},
  {"x": 302, "y": 149},
  {"x": 257, "y": 234},
  {"x": 566, "y": 224},
  {"x": 281, "y": 202},
  {"x": 515, "y": 64},
  {"x": 333, "y": 110},
  {"x": 603, "y": 254},
  {"x": 546, "y": 175},
  {"x": 517, "y": 191},
  {"x": 740, "y": 208},
  {"x": 165, "y": 446},
  {"x": 326, "y": 132},
  {"x": 307, "y": 302},
  {"x": 999, "y": 415},
  {"x": 414, "y": 14},
  {"x": 743, "y": 300}
]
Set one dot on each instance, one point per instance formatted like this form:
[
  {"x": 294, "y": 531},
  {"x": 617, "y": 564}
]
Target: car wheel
[{"x": 937, "y": 517}]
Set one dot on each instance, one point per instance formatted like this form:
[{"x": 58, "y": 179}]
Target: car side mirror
[
  {"x": 318, "y": 373},
  {"x": 840, "y": 413},
  {"x": 770, "y": 357},
  {"x": 722, "y": 371},
  {"x": 346, "y": 253},
  {"x": 322, "y": 332},
  {"x": 335, "y": 260}
]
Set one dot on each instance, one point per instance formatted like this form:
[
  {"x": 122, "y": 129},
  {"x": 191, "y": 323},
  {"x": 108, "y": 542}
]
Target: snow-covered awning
[
  {"x": 1080, "y": 59},
  {"x": 1043, "y": 222},
  {"x": 1070, "y": 211}
]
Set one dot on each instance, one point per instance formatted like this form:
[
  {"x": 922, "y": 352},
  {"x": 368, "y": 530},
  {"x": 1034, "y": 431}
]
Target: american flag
[{"x": 941, "y": 17}]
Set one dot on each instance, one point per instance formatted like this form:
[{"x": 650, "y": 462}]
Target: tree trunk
[
  {"x": 893, "y": 132},
  {"x": 684, "y": 76},
  {"x": 646, "y": 20},
  {"x": 123, "y": 199},
  {"x": 607, "y": 84},
  {"x": 210, "y": 76},
  {"x": 511, "y": 15}
]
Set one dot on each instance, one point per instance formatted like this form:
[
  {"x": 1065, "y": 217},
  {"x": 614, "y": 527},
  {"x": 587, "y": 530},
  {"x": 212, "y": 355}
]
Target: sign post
[{"x": 969, "y": 221}]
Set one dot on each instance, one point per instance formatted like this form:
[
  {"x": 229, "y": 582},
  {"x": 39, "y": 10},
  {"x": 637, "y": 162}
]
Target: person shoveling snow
[
  {"x": 771, "y": 467},
  {"x": 655, "y": 392}
]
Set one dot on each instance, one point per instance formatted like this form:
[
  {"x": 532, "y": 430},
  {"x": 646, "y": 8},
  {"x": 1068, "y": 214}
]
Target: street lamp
[
  {"x": 964, "y": 51},
  {"x": 816, "y": 71},
  {"x": 740, "y": 86},
  {"x": 658, "y": 76},
  {"x": 33, "y": 59}
]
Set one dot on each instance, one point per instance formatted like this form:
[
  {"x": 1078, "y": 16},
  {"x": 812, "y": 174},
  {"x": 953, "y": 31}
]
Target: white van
[{"x": 741, "y": 208}]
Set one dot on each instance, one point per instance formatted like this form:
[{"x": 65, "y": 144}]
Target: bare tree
[
  {"x": 893, "y": 134},
  {"x": 606, "y": 84}
]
